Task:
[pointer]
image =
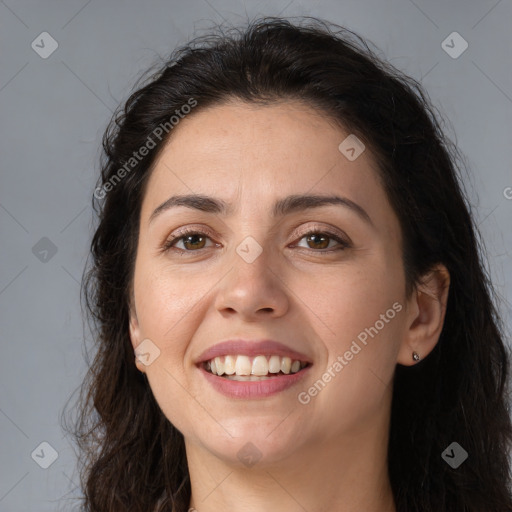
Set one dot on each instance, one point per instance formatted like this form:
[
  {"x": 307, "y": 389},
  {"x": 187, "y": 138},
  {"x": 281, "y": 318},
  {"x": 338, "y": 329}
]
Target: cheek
[
  {"x": 346, "y": 300},
  {"x": 173, "y": 397},
  {"x": 359, "y": 318},
  {"x": 353, "y": 386},
  {"x": 166, "y": 301},
  {"x": 167, "y": 309}
]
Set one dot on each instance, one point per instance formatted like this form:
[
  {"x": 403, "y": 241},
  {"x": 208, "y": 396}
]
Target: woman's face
[{"x": 255, "y": 274}]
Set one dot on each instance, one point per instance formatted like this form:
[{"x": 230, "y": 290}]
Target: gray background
[{"x": 53, "y": 113}]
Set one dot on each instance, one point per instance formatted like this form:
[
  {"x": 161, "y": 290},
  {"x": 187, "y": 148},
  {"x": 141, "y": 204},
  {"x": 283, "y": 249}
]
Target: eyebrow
[{"x": 285, "y": 206}]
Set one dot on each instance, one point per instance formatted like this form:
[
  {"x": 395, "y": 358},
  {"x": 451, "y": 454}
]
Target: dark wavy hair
[{"x": 131, "y": 456}]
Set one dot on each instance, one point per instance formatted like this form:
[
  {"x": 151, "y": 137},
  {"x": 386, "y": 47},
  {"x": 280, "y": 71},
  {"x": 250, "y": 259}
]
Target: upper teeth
[{"x": 259, "y": 365}]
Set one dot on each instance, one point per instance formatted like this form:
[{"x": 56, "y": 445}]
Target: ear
[
  {"x": 425, "y": 315},
  {"x": 135, "y": 337}
]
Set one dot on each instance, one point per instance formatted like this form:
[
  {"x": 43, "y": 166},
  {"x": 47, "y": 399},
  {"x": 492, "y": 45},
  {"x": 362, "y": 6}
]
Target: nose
[{"x": 253, "y": 290}]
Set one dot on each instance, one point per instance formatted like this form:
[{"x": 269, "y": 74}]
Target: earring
[{"x": 415, "y": 356}]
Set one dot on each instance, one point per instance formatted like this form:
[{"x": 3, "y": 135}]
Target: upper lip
[{"x": 251, "y": 348}]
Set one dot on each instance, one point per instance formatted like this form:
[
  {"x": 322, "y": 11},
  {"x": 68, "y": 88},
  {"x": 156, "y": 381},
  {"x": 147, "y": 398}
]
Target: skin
[{"x": 327, "y": 455}]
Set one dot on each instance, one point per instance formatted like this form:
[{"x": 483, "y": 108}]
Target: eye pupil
[
  {"x": 187, "y": 239},
  {"x": 319, "y": 236}
]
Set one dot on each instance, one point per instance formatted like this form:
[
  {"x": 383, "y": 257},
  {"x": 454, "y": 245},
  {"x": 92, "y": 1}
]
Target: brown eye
[
  {"x": 192, "y": 241},
  {"x": 195, "y": 241},
  {"x": 319, "y": 240}
]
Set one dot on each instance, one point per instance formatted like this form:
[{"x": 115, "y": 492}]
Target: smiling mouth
[{"x": 245, "y": 368}]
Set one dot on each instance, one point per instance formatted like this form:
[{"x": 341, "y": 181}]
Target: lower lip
[{"x": 253, "y": 389}]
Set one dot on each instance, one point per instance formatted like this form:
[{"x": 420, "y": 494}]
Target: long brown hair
[{"x": 131, "y": 456}]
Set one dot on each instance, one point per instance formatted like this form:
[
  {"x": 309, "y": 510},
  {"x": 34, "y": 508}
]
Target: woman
[{"x": 290, "y": 306}]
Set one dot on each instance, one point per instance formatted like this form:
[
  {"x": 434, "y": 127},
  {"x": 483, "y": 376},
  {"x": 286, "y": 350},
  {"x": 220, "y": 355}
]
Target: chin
[{"x": 251, "y": 444}]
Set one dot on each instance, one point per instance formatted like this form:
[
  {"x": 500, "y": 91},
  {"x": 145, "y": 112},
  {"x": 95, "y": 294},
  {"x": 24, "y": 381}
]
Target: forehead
[
  {"x": 246, "y": 131},
  {"x": 252, "y": 154}
]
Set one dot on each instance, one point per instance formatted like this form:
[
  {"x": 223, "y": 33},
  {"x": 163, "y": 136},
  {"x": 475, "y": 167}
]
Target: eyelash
[{"x": 168, "y": 244}]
